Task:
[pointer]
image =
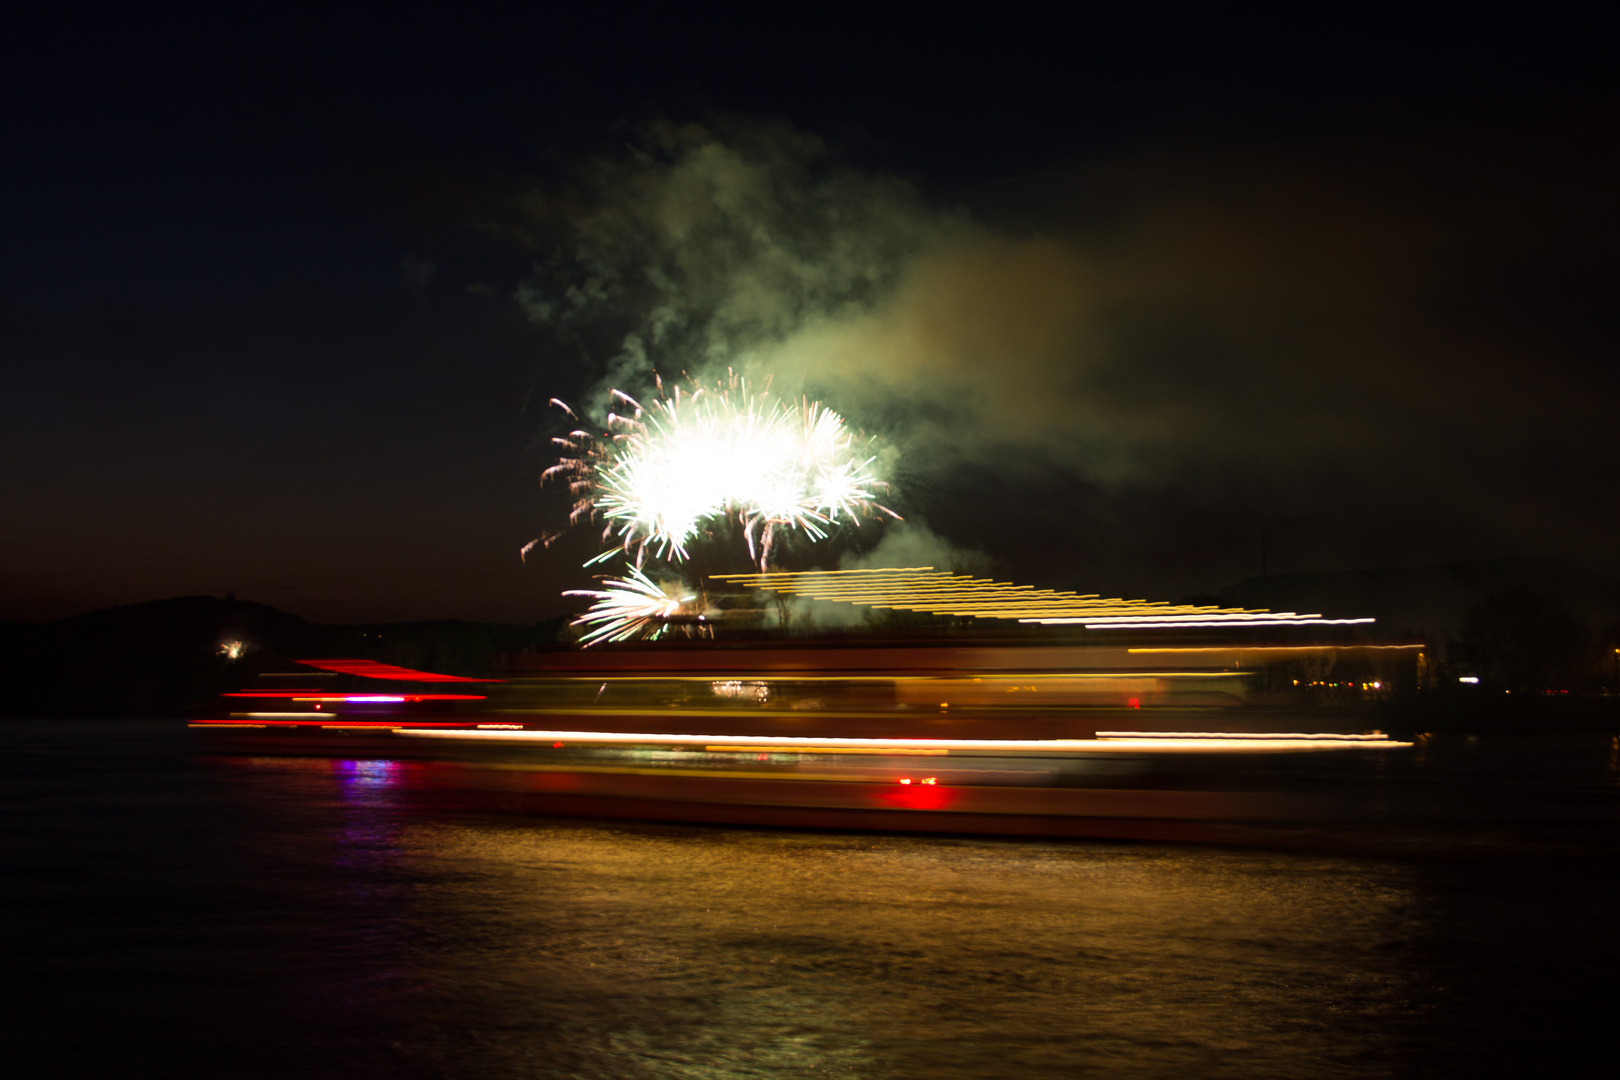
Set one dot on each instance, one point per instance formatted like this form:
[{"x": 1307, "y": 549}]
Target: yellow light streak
[
  {"x": 775, "y": 676},
  {"x": 823, "y": 573},
  {"x": 1266, "y": 648},
  {"x": 1122, "y": 623},
  {"x": 1157, "y": 744},
  {"x": 801, "y": 749},
  {"x": 922, "y": 589},
  {"x": 285, "y": 715},
  {"x": 1376, "y": 736}
]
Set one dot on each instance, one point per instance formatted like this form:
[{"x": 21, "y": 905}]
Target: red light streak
[
  {"x": 313, "y": 720},
  {"x": 370, "y": 669},
  {"x": 317, "y": 695}
]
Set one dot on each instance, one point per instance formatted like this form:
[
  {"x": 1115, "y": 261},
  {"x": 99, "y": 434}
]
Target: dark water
[{"x": 169, "y": 914}]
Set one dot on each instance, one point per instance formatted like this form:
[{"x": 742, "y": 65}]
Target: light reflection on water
[
  {"x": 652, "y": 952},
  {"x": 645, "y": 951},
  {"x": 275, "y": 917},
  {"x": 358, "y": 777}
]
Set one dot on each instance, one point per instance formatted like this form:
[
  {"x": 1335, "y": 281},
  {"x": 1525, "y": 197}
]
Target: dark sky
[{"x": 1133, "y": 285}]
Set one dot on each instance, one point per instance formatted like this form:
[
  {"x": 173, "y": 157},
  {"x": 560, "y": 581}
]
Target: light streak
[
  {"x": 1374, "y": 737},
  {"x": 316, "y": 695},
  {"x": 660, "y": 475},
  {"x": 371, "y": 669},
  {"x": 314, "y": 719},
  {"x": 925, "y": 590},
  {"x": 1150, "y": 624},
  {"x": 1162, "y": 744},
  {"x": 1267, "y": 648},
  {"x": 801, "y": 749}
]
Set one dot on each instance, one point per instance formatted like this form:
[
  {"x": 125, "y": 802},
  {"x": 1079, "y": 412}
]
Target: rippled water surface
[{"x": 167, "y": 913}]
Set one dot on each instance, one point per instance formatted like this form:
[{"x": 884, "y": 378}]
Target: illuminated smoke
[
  {"x": 666, "y": 472},
  {"x": 1165, "y": 336}
]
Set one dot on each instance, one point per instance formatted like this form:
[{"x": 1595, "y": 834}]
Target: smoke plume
[{"x": 1157, "y": 353}]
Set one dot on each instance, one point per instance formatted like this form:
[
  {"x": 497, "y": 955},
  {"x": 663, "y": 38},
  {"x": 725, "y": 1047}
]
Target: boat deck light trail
[{"x": 1123, "y": 744}]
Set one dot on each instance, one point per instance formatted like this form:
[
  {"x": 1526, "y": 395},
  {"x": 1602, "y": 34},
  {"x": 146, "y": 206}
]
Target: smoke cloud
[{"x": 1132, "y": 351}]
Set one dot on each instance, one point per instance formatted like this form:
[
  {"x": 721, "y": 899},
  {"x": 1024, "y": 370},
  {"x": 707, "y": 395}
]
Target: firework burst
[
  {"x": 637, "y": 607},
  {"x": 664, "y": 472}
]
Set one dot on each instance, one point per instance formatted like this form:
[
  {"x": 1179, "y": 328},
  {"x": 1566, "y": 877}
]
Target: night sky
[{"x": 285, "y": 293}]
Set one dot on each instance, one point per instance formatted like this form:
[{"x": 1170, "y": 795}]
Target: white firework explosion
[
  {"x": 661, "y": 474},
  {"x": 636, "y": 607}
]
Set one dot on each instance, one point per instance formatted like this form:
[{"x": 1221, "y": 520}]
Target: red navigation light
[
  {"x": 1135, "y": 703},
  {"x": 928, "y": 794},
  {"x": 370, "y": 669}
]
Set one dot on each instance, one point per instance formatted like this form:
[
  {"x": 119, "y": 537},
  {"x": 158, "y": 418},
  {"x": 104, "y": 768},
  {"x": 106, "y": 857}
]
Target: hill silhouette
[{"x": 170, "y": 657}]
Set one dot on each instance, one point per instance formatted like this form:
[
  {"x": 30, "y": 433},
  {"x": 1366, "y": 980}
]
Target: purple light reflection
[{"x": 359, "y": 777}]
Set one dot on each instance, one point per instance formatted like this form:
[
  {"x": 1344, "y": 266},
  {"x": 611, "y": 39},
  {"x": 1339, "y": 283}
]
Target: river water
[{"x": 170, "y": 913}]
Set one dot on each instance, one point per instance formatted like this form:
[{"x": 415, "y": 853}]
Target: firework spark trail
[
  {"x": 666, "y": 470},
  {"x": 632, "y": 607}
]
